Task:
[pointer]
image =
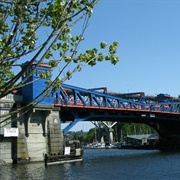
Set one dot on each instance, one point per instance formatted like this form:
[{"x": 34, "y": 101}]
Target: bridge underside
[
  {"x": 167, "y": 125},
  {"x": 169, "y": 135},
  {"x": 71, "y": 114}
]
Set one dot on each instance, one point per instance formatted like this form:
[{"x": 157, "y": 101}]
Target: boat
[
  {"x": 72, "y": 152},
  {"x": 108, "y": 145},
  {"x": 112, "y": 146},
  {"x": 101, "y": 146}
]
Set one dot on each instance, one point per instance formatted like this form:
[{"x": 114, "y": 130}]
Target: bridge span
[
  {"x": 78, "y": 104},
  {"x": 37, "y": 119}
]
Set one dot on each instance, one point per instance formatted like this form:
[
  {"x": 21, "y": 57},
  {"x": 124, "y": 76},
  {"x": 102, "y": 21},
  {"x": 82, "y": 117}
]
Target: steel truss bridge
[{"x": 79, "y": 104}]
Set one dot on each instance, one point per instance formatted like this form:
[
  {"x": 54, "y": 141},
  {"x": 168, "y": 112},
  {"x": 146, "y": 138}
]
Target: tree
[
  {"x": 42, "y": 31},
  {"x": 133, "y": 129},
  {"x": 91, "y": 135}
]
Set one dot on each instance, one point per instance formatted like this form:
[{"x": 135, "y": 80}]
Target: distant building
[{"x": 142, "y": 139}]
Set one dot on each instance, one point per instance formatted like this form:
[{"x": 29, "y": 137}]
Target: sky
[{"x": 148, "y": 32}]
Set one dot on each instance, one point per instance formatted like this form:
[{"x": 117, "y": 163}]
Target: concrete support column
[
  {"x": 110, "y": 135},
  {"x": 100, "y": 135},
  {"x": 32, "y": 140},
  {"x": 39, "y": 134},
  {"x": 55, "y": 135},
  {"x": 102, "y": 139},
  {"x": 110, "y": 131}
]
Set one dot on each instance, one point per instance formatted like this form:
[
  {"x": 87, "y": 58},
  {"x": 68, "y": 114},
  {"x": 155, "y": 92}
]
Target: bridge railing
[
  {"x": 164, "y": 107},
  {"x": 72, "y": 96}
]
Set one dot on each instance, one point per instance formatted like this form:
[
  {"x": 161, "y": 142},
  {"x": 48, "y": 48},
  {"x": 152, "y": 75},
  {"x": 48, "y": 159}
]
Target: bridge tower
[
  {"x": 38, "y": 123},
  {"x": 35, "y": 84}
]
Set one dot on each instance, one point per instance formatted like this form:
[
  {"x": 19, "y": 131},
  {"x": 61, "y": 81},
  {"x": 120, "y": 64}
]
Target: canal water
[{"x": 105, "y": 164}]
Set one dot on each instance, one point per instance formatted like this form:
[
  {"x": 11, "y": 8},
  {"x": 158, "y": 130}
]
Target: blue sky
[{"x": 148, "y": 32}]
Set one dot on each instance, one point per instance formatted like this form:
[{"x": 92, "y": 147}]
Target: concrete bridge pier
[
  {"x": 169, "y": 135},
  {"x": 110, "y": 135},
  {"x": 105, "y": 130},
  {"x": 32, "y": 139},
  {"x": 101, "y": 133},
  {"x": 110, "y": 130},
  {"x": 39, "y": 134}
]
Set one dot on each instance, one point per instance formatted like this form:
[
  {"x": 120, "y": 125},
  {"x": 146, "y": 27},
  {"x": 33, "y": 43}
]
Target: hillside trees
[{"x": 42, "y": 31}]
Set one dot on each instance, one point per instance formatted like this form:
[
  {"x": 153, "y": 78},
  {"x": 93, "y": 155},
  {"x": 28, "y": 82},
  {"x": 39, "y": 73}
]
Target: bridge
[
  {"x": 38, "y": 118},
  {"x": 79, "y": 104}
]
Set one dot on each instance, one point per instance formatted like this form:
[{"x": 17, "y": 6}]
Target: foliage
[
  {"x": 122, "y": 130},
  {"x": 91, "y": 135},
  {"x": 43, "y": 31},
  {"x": 83, "y": 137}
]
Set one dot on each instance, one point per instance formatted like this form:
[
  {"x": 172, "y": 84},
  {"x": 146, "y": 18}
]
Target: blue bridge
[{"x": 79, "y": 104}]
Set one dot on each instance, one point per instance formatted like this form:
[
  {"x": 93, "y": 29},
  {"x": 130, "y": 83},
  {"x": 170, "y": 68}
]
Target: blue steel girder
[
  {"x": 69, "y": 95},
  {"x": 74, "y": 115},
  {"x": 71, "y": 124},
  {"x": 164, "y": 107},
  {"x": 78, "y": 104}
]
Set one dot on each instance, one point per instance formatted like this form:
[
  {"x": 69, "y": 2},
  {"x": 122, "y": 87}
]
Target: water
[{"x": 105, "y": 164}]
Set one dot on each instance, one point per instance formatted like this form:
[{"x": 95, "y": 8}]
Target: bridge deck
[
  {"x": 78, "y": 104},
  {"x": 74, "y": 97},
  {"x": 117, "y": 109}
]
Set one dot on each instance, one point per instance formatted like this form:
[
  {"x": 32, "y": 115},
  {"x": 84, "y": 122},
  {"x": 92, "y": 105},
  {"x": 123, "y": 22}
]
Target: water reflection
[{"x": 102, "y": 164}]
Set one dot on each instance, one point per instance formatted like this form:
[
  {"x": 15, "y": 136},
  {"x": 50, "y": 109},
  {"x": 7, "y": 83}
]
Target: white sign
[
  {"x": 11, "y": 132},
  {"x": 67, "y": 151}
]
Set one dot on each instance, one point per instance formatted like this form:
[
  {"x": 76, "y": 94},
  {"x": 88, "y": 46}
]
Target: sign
[
  {"x": 67, "y": 151},
  {"x": 11, "y": 132}
]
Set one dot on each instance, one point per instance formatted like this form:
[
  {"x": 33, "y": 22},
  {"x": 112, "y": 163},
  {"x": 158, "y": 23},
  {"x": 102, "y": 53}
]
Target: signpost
[{"x": 11, "y": 132}]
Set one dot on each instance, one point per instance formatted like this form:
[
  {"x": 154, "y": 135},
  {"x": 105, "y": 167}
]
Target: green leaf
[
  {"x": 100, "y": 57},
  {"x": 53, "y": 63},
  {"x": 103, "y": 45},
  {"x": 54, "y": 47},
  {"x": 68, "y": 74}
]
